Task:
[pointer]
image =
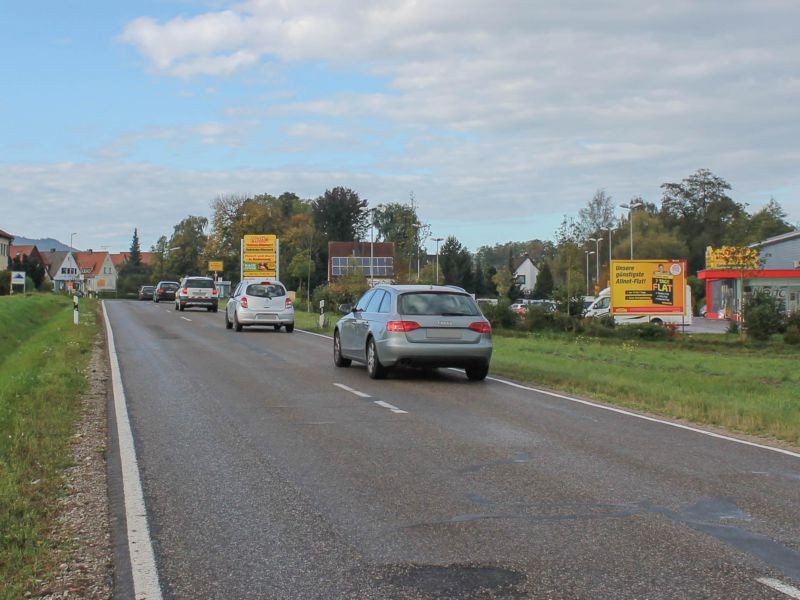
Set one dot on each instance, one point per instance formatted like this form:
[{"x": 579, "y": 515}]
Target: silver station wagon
[{"x": 415, "y": 325}]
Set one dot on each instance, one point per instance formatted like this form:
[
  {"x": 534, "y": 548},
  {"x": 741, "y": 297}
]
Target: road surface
[{"x": 268, "y": 473}]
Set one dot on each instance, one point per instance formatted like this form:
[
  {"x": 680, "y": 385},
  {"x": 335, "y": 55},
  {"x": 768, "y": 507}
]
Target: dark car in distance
[
  {"x": 146, "y": 292},
  {"x": 165, "y": 290}
]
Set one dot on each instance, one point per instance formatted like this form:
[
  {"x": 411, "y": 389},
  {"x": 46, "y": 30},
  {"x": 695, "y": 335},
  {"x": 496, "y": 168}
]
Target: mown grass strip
[
  {"x": 41, "y": 381},
  {"x": 710, "y": 379}
]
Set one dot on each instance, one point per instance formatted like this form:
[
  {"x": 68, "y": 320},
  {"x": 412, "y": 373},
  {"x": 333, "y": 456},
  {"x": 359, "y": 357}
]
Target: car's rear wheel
[
  {"x": 289, "y": 327},
  {"x": 657, "y": 322},
  {"x": 214, "y": 309},
  {"x": 228, "y": 324},
  {"x": 338, "y": 359},
  {"x": 236, "y": 325},
  {"x": 477, "y": 372},
  {"x": 176, "y": 306},
  {"x": 276, "y": 327},
  {"x": 374, "y": 367}
]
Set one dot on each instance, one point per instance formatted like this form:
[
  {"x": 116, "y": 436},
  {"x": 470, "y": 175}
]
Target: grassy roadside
[
  {"x": 42, "y": 360},
  {"x": 704, "y": 378}
]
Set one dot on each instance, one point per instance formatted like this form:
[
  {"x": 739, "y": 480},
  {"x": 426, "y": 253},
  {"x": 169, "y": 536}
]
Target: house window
[{"x": 521, "y": 279}]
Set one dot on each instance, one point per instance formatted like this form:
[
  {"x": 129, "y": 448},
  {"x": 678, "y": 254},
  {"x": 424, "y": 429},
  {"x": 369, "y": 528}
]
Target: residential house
[
  {"x": 97, "y": 271},
  {"x": 5, "y": 244},
  {"x": 525, "y": 273},
  {"x": 374, "y": 259},
  {"x": 62, "y": 270}
]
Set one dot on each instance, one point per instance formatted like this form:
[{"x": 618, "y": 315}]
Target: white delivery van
[{"x": 602, "y": 306}]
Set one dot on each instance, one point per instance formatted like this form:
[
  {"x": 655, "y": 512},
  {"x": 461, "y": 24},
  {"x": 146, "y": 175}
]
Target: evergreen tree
[
  {"x": 544, "y": 283},
  {"x": 135, "y": 256}
]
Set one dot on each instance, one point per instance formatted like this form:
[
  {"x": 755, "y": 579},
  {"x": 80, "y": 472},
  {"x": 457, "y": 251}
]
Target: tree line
[{"x": 693, "y": 213}]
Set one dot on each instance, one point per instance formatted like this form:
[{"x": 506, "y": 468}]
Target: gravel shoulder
[{"x": 83, "y": 561}]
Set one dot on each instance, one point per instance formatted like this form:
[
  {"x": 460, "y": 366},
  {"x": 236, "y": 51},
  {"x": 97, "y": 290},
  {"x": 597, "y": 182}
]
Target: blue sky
[{"x": 500, "y": 118}]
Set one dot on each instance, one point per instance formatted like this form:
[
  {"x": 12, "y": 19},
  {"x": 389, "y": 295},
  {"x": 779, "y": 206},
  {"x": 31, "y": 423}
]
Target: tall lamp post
[
  {"x": 372, "y": 245},
  {"x": 597, "y": 241},
  {"x": 630, "y": 206},
  {"x": 588, "y": 254},
  {"x": 417, "y": 227},
  {"x": 608, "y": 229},
  {"x": 437, "y": 240},
  {"x": 71, "y": 235}
]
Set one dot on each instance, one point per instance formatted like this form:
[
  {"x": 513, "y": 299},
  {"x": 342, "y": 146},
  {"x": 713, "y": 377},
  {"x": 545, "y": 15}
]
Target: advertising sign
[
  {"x": 215, "y": 265},
  {"x": 648, "y": 286},
  {"x": 260, "y": 256},
  {"x": 732, "y": 257}
]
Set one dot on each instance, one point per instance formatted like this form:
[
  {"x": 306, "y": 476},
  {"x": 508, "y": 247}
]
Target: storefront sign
[{"x": 732, "y": 257}]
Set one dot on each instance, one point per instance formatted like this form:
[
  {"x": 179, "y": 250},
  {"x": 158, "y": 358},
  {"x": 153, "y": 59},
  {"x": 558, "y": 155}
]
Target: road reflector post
[{"x": 75, "y": 316}]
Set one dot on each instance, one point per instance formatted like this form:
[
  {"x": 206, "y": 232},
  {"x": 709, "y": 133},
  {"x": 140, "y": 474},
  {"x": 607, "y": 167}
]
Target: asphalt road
[{"x": 269, "y": 473}]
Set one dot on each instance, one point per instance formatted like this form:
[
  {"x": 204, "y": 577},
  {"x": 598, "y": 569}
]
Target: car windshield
[
  {"x": 437, "y": 303},
  {"x": 261, "y": 290},
  {"x": 199, "y": 283}
]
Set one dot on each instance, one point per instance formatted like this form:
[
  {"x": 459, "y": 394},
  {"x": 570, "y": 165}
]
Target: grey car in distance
[{"x": 415, "y": 325}]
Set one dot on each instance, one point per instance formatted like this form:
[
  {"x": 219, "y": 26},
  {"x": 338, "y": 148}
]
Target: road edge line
[
  {"x": 779, "y": 586},
  {"x": 140, "y": 545}
]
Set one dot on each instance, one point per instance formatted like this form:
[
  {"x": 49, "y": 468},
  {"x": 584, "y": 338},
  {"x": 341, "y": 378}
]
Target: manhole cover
[{"x": 457, "y": 580}]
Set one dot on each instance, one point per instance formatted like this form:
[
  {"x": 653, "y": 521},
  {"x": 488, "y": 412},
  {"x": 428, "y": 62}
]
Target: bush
[
  {"x": 501, "y": 315},
  {"x": 343, "y": 291},
  {"x": 763, "y": 316},
  {"x": 792, "y": 335}
]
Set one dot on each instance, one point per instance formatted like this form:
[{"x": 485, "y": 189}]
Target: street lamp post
[
  {"x": 588, "y": 254},
  {"x": 609, "y": 228},
  {"x": 437, "y": 240},
  {"x": 597, "y": 241},
  {"x": 417, "y": 227},
  {"x": 630, "y": 207},
  {"x": 372, "y": 245},
  {"x": 71, "y": 235}
]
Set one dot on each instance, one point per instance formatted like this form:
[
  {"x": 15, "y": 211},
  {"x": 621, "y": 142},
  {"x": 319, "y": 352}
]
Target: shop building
[{"x": 731, "y": 281}]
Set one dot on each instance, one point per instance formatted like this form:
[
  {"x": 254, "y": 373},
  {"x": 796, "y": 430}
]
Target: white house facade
[{"x": 525, "y": 274}]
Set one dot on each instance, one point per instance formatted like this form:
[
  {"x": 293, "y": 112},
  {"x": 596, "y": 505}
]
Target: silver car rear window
[
  {"x": 437, "y": 303},
  {"x": 260, "y": 290},
  {"x": 199, "y": 283}
]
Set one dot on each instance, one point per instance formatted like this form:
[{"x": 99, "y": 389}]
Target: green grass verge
[
  {"x": 712, "y": 379},
  {"x": 42, "y": 360}
]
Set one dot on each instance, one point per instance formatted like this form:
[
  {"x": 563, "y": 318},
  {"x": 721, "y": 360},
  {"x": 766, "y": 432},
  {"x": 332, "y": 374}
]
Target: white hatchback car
[{"x": 260, "y": 302}]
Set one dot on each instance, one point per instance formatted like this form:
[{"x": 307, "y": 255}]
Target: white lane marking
[
  {"x": 779, "y": 586},
  {"x": 352, "y": 391},
  {"x": 322, "y": 335},
  {"x": 185, "y": 319},
  {"x": 643, "y": 417},
  {"x": 140, "y": 546},
  {"x": 394, "y": 409}
]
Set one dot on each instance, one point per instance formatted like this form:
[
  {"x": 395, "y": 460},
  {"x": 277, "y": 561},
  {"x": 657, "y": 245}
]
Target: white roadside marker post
[{"x": 75, "y": 317}]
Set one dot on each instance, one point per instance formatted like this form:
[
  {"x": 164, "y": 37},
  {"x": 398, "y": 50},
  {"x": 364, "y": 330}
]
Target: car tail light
[
  {"x": 288, "y": 303},
  {"x": 159, "y": 291},
  {"x": 481, "y": 326},
  {"x": 402, "y": 326},
  {"x": 243, "y": 302},
  {"x": 185, "y": 291},
  {"x": 214, "y": 292}
]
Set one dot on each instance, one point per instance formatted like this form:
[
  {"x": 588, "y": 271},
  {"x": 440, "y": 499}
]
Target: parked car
[
  {"x": 146, "y": 292},
  {"x": 262, "y": 302},
  {"x": 165, "y": 290},
  {"x": 519, "y": 308},
  {"x": 197, "y": 291},
  {"x": 416, "y": 325}
]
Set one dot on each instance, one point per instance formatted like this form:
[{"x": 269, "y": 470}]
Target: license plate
[{"x": 448, "y": 334}]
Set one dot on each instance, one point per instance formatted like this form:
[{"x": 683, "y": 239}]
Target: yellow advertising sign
[
  {"x": 260, "y": 242},
  {"x": 258, "y": 273},
  {"x": 215, "y": 265},
  {"x": 732, "y": 257},
  {"x": 648, "y": 286}
]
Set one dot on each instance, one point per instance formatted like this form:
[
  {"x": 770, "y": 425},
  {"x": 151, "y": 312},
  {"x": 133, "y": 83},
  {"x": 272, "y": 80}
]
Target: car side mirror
[{"x": 345, "y": 308}]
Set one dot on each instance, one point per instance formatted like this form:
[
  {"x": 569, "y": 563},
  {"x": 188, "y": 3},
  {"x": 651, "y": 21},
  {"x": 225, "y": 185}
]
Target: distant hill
[{"x": 44, "y": 245}]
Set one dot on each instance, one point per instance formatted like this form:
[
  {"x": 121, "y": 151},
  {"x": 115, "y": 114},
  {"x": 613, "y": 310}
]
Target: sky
[{"x": 500, "y": 118}]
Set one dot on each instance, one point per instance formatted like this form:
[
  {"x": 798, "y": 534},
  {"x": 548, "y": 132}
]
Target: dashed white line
[
  {"x": 185, "y": 319},
  {"x": 352, "y": 391},
  {"x": 394, "y": 409},
  {"x": 140, "y": 546},
  {"x": 779, "y": 586}
]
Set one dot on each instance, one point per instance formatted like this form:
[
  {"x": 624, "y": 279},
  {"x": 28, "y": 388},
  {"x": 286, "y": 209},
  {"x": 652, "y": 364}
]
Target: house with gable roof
[
  {"x": 525, "y": 273},
  {"x": 97, "y": 271},
  {"x": 120, "y": 258},
  {"x": 5, "y": 243},
  {"x": 62, "y": 270}
]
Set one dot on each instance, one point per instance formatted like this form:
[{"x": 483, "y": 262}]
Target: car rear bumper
[
  {"x": 213, "y": 302},
  {"x": 398, "y": 351},
  {"x": 264, "y": 317}
]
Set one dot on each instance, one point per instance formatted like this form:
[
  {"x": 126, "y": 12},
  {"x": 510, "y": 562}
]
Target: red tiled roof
[{"x": 90, "y": 263}]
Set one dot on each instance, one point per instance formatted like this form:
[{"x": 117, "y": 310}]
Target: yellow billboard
[
  {"x": 215, "y": 265},
  {"x": 732, "y": 257},
  {"x": 648, "y": 286},
  {"x": 260, "y": 255}
]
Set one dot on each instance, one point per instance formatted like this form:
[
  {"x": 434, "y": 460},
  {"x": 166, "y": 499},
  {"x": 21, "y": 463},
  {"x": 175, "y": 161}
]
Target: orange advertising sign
[{"x": 648, "y": 286}]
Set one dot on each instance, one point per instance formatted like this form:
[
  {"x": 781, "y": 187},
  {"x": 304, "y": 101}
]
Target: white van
[{"x": 602, "y": 306}]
